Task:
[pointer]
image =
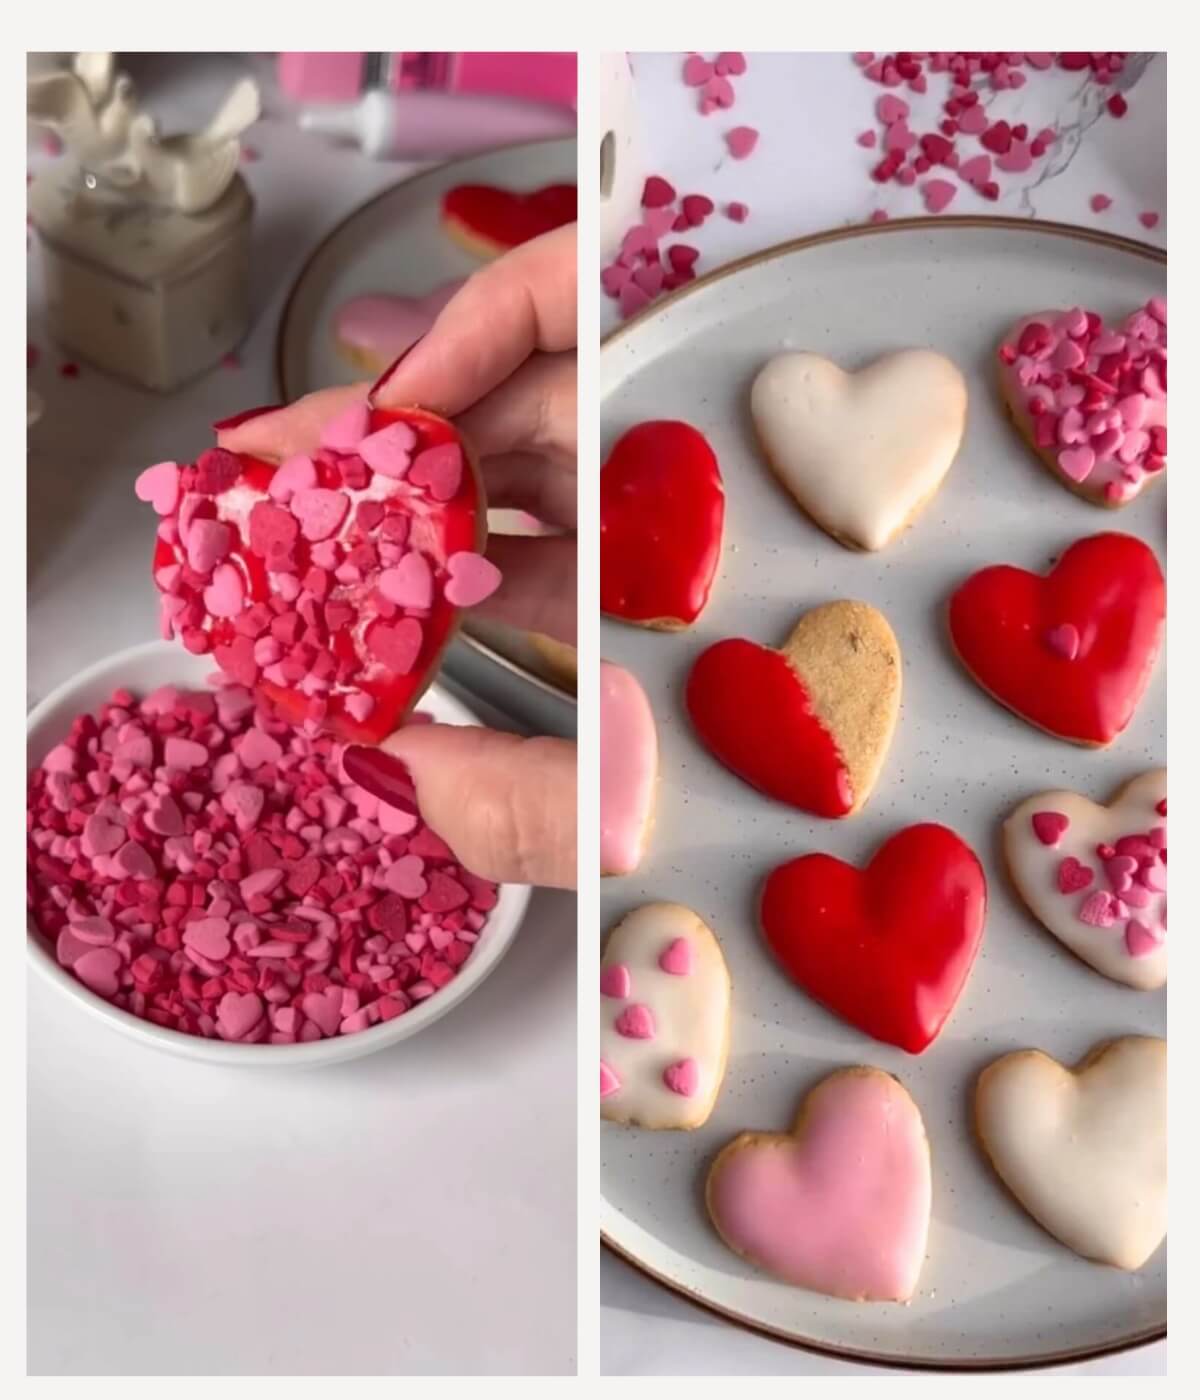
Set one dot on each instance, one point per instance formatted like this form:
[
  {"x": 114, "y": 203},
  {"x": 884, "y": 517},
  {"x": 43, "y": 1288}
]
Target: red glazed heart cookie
[
  {"x": 488, "y": 221},
  {"x": 889, "y": 947},
  {"x": 330, "y": 584},
  {"x": 1091, "y": 399},
  {"x": 809, "y": 724},
  {"x": 662, "y": 508},
  {"x": 1072, "y": 651}
]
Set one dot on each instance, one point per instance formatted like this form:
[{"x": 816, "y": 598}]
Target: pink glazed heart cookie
[
  {"x": 1090, "y": 398},
  {"x": 628, "y": 770},
  {"x": 371, "y": 331},
  {"x": 664, "y": 1019},
  {"x": 1096, "y": 876},
  {"x": 840, "y": 1205}
]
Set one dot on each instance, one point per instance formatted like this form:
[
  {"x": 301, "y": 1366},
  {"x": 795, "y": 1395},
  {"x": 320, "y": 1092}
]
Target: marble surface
[{"x": 807, "y": 174}]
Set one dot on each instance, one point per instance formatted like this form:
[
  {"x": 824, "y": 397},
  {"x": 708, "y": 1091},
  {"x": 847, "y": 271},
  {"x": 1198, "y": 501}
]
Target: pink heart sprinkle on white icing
[
  {"x": 636, "y": 1023},
  {"x": 682, "y": 1078},
  {"x": 676, "y": 958},
  {"x": 615, "y": 981}
]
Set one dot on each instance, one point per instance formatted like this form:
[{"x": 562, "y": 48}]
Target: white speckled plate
[
  {"x": 995, "y": 1290},
  {"x": 396, "y": 243}
]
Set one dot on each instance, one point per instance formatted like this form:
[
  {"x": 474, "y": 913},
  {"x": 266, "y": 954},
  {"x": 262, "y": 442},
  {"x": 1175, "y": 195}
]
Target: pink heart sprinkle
[
  {"x": 389, "y": 451},
  {"x": 1140, "y": 940},
  {"x": 614, "y": 277},
  {"x": 891, "y": 109},
  {"x": 1073, "y": 876},
  {"x": 396, "y": 645},
  {"x": 1149, "y": 219},
  {"x": 440, "y": 469},
  {"x": 676, "y": 958},
  {"x": 472, "y": 579},
  {"x": 243, "y": 802},
  {"x": 635, "y": 1023},
  {"x": 973, "y": 121},
  {"x": 226, "y": 595},
  {"x": 184, "y": 753},
  {"x": 159, "y": 486},
  {"x": 1016, "y": 160},
  {"x": 937, "y": 194},
  {"x": 697, "y": 71},
  {"x": 682, "y": 1078},
  {"x": 733, "y": 63},
  {"x": 867, "y": 139},
  {"x": 615, "y": 981},
  {"x": 1096, "y": 910},
  {"x": 741, "y": 141},
  {"x": 296, "y": 474},
  {"x": 719, "y": 91},
  {"x": 208, "y": 542},
  {"x": 164, "y": 817},
  {"x": 976, "y": 171},
  {"x": 406, "y": 877},
  {"x": 100, "y": 837},
  {"x": 347, "y": 430},
  {"x": 99, "y": 970},
  {"x": 1099, "y": 203},
  {"x": 410, "y": 583},
  {"x": 238, "y": 1014},
  {"x": 1077, "y": 462},
  {"x": 97, "y": 933},
  {"x": 1063, "y": 640},
  {"x": 659, "y": 221},
  {"x": 209, "y": 938},
  {"x": 609, "y": 1082},
  {"x": 898, "y": 137},
  {"x": 319, "y": 511},
  {"x": 134, "y": 860},
  {"x": 324, "y": 1009},
  {"x": 632, "y": 298},
  {"x": 1049, "y": 827},
  {"x": 256, "y": 748}
]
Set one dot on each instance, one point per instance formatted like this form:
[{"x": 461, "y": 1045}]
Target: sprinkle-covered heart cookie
[
  {"x": 840, "y": 1205},
  {"x": 809, "y": 724},
  {"x": 889, "y": 947},
  {"x": 488, "y": 221},
  {"x": 1084, "y": 1150},
  {"x": 862, "y": 453},
  {"x": 662, "y": 509},
  {"x": 628, "y": 770},
  {"x": 1072, "y": 651},
  {"x": 664, "y": 1019},
  {"x": 371, "y": 331},
  {"x": 1097, "y": 876},
  {"x": 1090, "y": 398},
  {"x": 330, "y": 584}
]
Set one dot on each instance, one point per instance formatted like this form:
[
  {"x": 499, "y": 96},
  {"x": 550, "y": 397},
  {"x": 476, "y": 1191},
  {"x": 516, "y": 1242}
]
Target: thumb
[{"x": 504, "y": 805}]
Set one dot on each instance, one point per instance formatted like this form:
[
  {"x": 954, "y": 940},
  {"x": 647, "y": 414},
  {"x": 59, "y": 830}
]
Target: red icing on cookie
[
  {"x": 1110, "y": 589},
  {"x": 375, "y": 655},
  {"x": 751, "y": 709},
  {"x": 662, "y": 508},
  {"x": 888, "y": 948},
  {"x": 503, "y": 218}
]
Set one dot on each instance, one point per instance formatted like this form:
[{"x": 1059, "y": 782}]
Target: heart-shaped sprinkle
[
  {"x": 101, "y": 837},
  {"x": 741, "y": 141},
  {"x": 615, "y": 981},
  {"x": 938, "y": 195},
  {"x": 1073, "y": 875},
  {"x": 1077, "y": 462},
  {"x": 682, "y": 1078},
  {"x": 1097, "y": 910},
  {"x": 718, "y": 92},
  {"x": 208, "y": 542},
  {"x": 244, "y": 802},
  {"x": 226, "y": 595},
  {"x": 636, "y": 1023},
  {"x": 256, "y": 747},
  {"x": 890, "y": 108},
  {"x": 439, "y": 469},
  {"x": 238, "y": 1014},
  {"x": 97, "y": 933},
  {"x": 472, "y": 578},
  {"x": 298, "y": 473},
  {"x": 410, "y": 583},
  {"x": 389, "y": 451},
  {"x": 405, "y": 877},
  {"x": 99, "y": 970},
  {"x": 396, "y": 645},
  {"x": 1140, "y": 939},
  {"x": 319, "y": 511},
  {"x": 731, "y": 64},
  {"x": 976, "y": 171},
  {"x": 209, "y": 938},
  {"x": 159, "y": 486},
  {"x": 324, "y": 1009},
  {"x": 697, "y": 70},
  {"x": 609, "y": 1083},
  {"x": 1063, "y": 640},
  {"x": 1049, "y": 827},
  {"x": 347, "y": 430},
  {"x": 676, "y": 958}
]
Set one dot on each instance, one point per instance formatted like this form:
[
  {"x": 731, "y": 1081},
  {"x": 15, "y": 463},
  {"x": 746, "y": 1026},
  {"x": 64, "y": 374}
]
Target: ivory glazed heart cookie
[
  {"x": 840, "y": 1205},
  {"x": 371, "y": 331},
  {"x": 809, "y": 724},
  {"x": 1071, "y": 651},
  {"x": 330, "y": 584},
  {"x": 1084, "y": 1149},
  {"x": 662, "y": 509},
  {"x": 628, "y": 770},
  {"x": 862, "y": 453},
  {"x": 488, "y": 221},
  {"x": 1090, "y": 398},
  {"x": 1096, "y": 876},
  {"x": 889, "y": 947},
  {"x": 664, "y": 1019}
]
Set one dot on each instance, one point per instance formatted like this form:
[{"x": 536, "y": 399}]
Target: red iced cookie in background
[{"x": 488, "y": 221}]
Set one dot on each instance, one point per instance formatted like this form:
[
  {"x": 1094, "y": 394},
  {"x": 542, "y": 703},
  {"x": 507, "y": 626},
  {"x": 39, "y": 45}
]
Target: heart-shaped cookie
[
  {"x": 327, "y": 583},
  {"x": 1084, "y": 1150},
  {"x": 662, "y": 508},
  {"x": 1071, "y": 651},
  {"x": 488, "y": 221},
  {"x": 840, "y": 1205},
  {"x": 889, "y": 947},
  {"x": 862, "y": 452},
  {"x": 809, "y": 724},
  {"x": 371, "y": 331},
  {"x": 1090, "y": 398},
  {"x": 628, "y": 770},
  {"x": 1097, "y": 876},
  {"x": 664, "y": 1019}
]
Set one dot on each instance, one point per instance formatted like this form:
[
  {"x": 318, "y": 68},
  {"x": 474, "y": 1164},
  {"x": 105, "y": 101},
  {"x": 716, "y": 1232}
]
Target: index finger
[{"x": 521, "y": 303}]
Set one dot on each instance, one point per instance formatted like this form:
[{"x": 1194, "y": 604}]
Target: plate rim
[
  {"x": 945, "y": 222},
  {"x": 288, "y": 308}
]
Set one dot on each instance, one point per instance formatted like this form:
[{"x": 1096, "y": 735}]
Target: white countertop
[
  {"x": 407, "y": 1213},
  {"x": 807, "y": 174}
]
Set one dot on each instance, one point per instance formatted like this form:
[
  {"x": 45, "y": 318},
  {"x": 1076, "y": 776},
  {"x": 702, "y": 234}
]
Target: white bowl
[{"x": 142, "y": 669}]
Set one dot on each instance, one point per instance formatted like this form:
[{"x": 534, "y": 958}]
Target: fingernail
[
  {"x": 245, "y": 416},
  {"x": 381, "y": 775},
  {"x": 391, "y": 369}
]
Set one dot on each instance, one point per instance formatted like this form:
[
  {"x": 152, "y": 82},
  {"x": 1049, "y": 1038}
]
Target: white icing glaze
[
  {"x": 1084, "y": 1150},
  {"x": 860, "y": 452},
  {"x": 1034, "y": 867},
  {"x": 691, "y": 1018}
]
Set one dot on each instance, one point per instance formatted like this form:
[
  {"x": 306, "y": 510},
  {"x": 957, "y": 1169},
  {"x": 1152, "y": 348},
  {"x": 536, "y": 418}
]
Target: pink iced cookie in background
[
  {"x": 664, "y": 1019},
  {"x": 371, "y": 331},
  {"x": 840, "y": 1205},
  {"x": 628, "y": 770}
]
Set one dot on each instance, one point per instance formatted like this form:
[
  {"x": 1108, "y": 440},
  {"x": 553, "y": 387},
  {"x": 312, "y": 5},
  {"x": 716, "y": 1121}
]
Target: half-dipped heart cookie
[
  {"x": 1091, "y": 398},
  {"x": 862, "y": 453},
  {"x": 662, "y": 508},
  {"x": 628, "y": 770},
  {"x": 1084, "y": 1150},
  {"x": 332, "y": 583},
  {"x": 810, "y": 723},
  {"x": 1070, "y": 651},
  {"x": 840, "y": 1205},
  {"x": 664, "y": 1019},
  {"x": 1097, "y": 876},
  {"x": 488, "y": 221},
  {"x": 889, "y": 947}
]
